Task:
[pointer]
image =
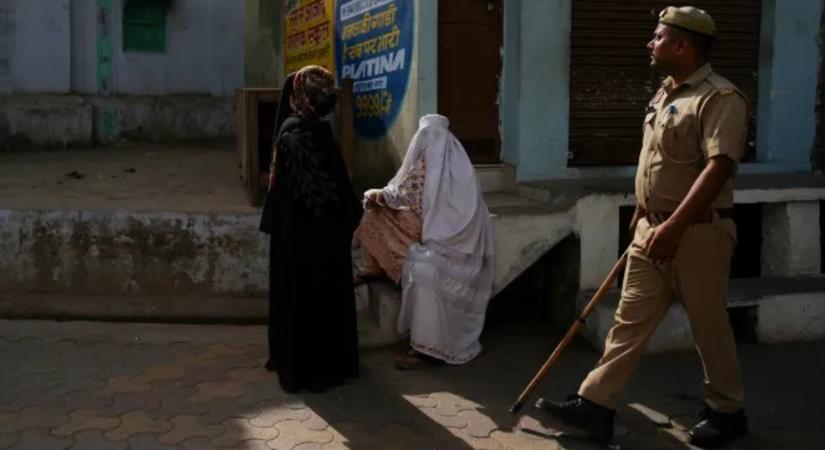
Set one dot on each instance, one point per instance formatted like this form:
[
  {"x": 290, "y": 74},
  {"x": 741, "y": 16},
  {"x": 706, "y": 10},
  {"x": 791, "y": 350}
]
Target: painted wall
[
  {"x": 789, "y": 64},
  {"x": 264, "y": 61},
  {"x": 377, "y": 160},
  {"x": 56, "y": 44},
  {"x": 35, "y": 39},
  {"x": 535, "y": 96}
]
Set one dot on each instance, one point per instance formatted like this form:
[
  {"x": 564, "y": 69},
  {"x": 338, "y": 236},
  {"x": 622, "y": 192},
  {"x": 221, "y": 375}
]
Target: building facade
[
  {"x": 548, "y": 98},
  {"x": 77, "y": 71}
]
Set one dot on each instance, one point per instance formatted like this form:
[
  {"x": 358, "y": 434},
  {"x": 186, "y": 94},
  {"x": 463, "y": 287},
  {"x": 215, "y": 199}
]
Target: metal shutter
[{"x": 611, "y": 81}]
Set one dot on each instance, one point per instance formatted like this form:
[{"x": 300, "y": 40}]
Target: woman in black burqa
[{"x": 310, "y": 213}]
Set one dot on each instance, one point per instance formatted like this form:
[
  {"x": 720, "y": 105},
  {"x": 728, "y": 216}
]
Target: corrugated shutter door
[{"x": 611, "y": 81}]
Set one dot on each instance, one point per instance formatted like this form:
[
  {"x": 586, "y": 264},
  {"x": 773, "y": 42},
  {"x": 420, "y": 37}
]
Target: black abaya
[{"x": 311, "y": 213}]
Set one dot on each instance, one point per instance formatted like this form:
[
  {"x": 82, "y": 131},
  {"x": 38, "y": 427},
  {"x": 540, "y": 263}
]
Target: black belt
[{"x": 657, "y": 217}]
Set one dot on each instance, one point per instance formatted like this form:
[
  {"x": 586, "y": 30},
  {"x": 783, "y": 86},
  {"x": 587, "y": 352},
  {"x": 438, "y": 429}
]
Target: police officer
[{"x": 694, "y": 135}]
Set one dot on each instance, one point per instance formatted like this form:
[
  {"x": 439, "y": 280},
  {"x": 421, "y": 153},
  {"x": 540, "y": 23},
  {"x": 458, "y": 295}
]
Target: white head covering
[{"x": 454, "y": 214}]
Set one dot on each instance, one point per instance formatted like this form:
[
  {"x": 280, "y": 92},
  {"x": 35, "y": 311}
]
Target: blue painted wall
[
  {"x": 789, "y": 62},
  {"x": 535, "y": 94}
]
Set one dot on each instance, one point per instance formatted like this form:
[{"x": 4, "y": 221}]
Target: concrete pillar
[
  {"x": 790, "y": 239},
  {"x": 597, "y": 221}
]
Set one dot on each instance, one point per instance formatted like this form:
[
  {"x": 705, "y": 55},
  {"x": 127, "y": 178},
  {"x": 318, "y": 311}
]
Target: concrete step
[
  {"x": 775, "y": 310},
  {"x": 379, "y": 304}
]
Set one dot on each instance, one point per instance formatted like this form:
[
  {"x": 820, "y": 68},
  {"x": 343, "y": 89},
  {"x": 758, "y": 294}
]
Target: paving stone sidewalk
[{"x": 82, "y": 385}]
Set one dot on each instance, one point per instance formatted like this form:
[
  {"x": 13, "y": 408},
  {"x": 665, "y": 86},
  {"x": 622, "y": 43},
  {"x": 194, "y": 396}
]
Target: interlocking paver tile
[
  {"x": 219, "y": 350},
  {"x": 480, "y": 443},
  {"x": 10, "y": 401},
  {"x": 212, "y": 390},
  {"x": 218, "y": 411},
  {"x": 42, "y": 441},
  {"x": 186, "y": 427},
  {"x": 450, "y": 404},
  {"x": 151, "y": 442},
  {"x": 35, "y": 417},
  {"x": 94, "y": 440},
  {"x": 86, "y": 400},
  {"x": 36, "y": 367},
  {"x": 478, "y": 424},
  {"x": 271, "y": 416},
  {"x": 315, "y": 422},
  {"x": 308, "y": 446},
  {"x": 85, "y": 419},
  {"x": 292, "y": 434},
  {"x": 167, "y": 388},
  {"x": 161, "y": 372},
  {"x": 422, "y": 401},
  {"x": 238, "y": 430},
  {"x": 197, "y": 443},
  {"x": 123, "y": 385},
  {"x": 134, "y": 423},
  {"x": 8, "y": 422},
  {"x": 254, "y": 444},
  {"x": 178, "y": 405},
  {"x": 534, "y": 425},
  {"x": 454, "y": 421},
  {"x": 269, "y": 392},
  {"x": 124, "y": 403},
  {"x": 252, "y": 375},
  {"x": 198, "y": 375},
  {"x": 350, "y": 435},
  {"x": 8, "y": 440},
  {"x": 520, "y": 440}
]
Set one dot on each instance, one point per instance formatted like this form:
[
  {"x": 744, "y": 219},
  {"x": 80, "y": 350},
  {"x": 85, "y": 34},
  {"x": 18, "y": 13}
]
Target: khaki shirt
[{"x": 684, "y": 127}]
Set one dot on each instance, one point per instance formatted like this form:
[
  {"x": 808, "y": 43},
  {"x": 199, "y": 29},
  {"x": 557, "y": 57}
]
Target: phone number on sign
[{"x": 378, "y": 104}]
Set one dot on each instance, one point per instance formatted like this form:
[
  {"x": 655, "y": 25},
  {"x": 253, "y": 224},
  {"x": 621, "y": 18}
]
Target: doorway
[{"x": 469, "y": 67}]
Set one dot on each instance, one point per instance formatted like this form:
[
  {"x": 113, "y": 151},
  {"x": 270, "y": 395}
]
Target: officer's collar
[{"x": 697, "y": 77}]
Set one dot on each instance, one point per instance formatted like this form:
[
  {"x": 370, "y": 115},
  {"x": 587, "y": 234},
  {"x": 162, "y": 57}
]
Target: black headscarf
[
  {"x": 284, "y": 106},
  {"x": 284, "y": 112}
]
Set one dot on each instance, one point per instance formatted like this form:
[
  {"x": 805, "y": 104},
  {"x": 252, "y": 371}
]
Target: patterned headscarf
[{"x": 313, "y": 93}]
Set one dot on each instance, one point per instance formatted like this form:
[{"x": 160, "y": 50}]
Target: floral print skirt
[{"x": 385, "y": 234}]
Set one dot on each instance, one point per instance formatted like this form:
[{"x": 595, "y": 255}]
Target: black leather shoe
[
  {"x": 718, "y": 429},
  {"x": 579, "y": 412}
]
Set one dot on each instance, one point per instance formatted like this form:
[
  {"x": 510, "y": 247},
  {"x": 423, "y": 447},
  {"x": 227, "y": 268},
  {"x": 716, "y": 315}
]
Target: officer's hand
[{"x": 664, "y": 241}]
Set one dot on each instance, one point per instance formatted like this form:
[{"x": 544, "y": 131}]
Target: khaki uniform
[{"x": 685, "y": 126}]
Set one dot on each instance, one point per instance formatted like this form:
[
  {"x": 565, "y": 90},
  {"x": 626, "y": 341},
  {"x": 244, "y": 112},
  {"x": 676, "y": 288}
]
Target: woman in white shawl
[{"x": 429, "y": 230}]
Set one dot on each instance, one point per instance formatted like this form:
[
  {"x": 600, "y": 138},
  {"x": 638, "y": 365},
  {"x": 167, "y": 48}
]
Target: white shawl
[{"x": 448, "y": 277}]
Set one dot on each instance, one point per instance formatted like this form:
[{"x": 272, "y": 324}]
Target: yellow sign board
[{"x": 310, "y": 34}]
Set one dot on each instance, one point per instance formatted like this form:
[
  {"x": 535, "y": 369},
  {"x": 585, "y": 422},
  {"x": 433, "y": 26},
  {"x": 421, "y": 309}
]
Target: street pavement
[{"x": 87, "y": 385}]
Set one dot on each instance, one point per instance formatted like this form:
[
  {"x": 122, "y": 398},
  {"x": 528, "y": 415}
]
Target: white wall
[
  {"x": 204, "y": 53},
  {"x": 55, "y": 49},
  {"x": 36, "y": 36}
]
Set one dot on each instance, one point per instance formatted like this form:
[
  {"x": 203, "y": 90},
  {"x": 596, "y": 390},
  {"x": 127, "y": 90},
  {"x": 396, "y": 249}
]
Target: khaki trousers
[{"x": 699, "y": 275}]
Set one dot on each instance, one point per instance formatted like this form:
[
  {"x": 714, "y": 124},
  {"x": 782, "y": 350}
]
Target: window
[{"x": 144, "y": 25}]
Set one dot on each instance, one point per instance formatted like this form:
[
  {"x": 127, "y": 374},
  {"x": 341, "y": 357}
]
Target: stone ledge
[{"x": 786, "y": 310}]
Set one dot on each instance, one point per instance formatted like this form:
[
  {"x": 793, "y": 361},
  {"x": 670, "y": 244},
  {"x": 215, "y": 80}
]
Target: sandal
[{"x": 414, "y": 360}]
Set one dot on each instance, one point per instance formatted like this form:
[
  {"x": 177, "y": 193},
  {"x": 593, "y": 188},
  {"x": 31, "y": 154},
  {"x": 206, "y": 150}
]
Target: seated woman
[
  {"x": 429, "y": 230},
  {"x": 310, "y": 213}
]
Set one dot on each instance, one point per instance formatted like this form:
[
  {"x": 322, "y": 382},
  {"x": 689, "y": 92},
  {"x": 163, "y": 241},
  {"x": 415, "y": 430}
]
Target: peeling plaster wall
[{"x": 149, "y": 253}]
